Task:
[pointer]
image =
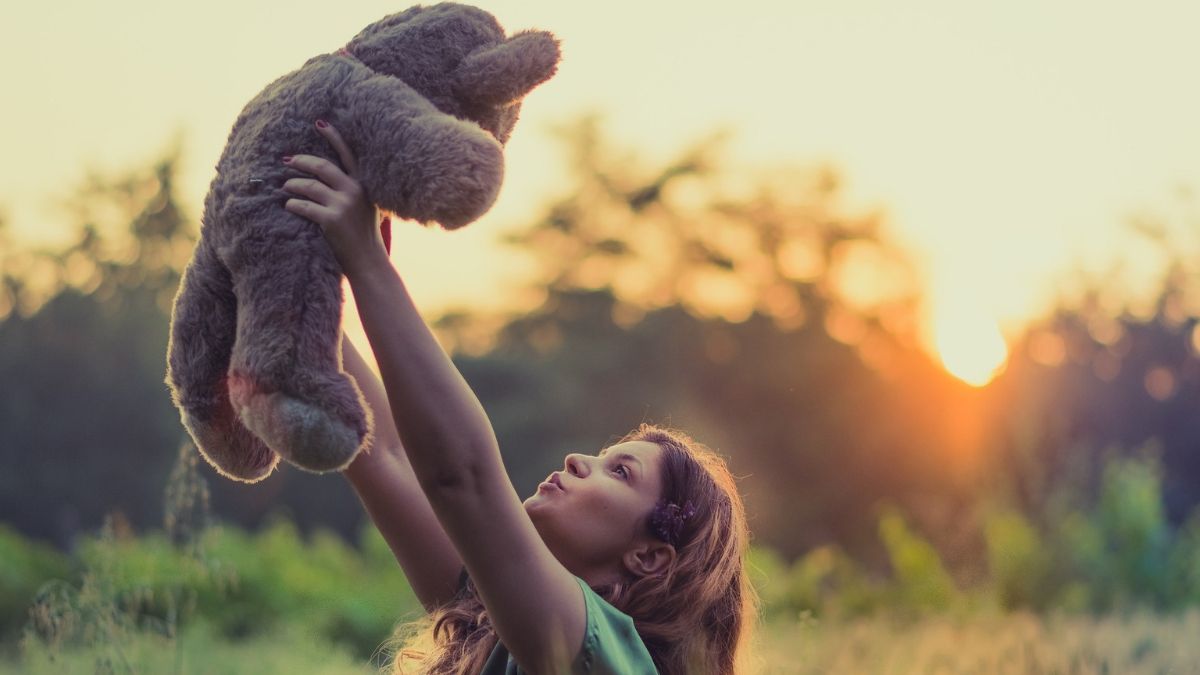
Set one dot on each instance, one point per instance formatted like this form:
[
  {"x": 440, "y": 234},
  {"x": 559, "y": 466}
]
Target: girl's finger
[
  {"x": 310, "y": 210},
  {"x": 327, "y": 171},
  {"x": 312, "y": 188},
  {"x": 339, "y": 145}
]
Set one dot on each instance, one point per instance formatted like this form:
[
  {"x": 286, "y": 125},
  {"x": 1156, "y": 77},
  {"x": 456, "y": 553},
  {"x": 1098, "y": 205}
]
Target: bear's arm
[{"x": 416, "y": 161}]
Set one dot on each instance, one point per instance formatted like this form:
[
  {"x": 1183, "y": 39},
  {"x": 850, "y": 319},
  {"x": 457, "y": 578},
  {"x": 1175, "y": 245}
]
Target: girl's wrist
[{"x": 368, "y": 266}]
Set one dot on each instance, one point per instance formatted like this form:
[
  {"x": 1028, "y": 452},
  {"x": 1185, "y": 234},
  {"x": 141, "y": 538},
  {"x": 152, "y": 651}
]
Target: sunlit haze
[
  {"x": 970, "y": 344},
  {"x": 1008, "y": 143}
]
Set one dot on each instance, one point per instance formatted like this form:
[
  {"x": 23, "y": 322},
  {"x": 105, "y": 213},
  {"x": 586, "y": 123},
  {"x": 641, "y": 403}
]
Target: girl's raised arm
[
  {"x": 388, "y": 488},
  {"x": 535, "y": 604}
]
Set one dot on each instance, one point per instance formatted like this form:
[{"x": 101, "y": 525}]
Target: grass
[
  {"x": 196, "y": 651},
  {"x": 1016, "y": 644},
  {"x": 198, "y": 600}
]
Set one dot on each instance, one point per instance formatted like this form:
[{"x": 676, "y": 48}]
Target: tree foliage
[
  {"x": 86, "y": 422},
  {"x": 750, "y": 306}
]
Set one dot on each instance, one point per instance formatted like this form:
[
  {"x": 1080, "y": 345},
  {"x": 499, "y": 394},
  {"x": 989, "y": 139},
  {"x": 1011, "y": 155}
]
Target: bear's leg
[
  {"x": 286, "y": 377},
  {"x": 202, "y": 331}
]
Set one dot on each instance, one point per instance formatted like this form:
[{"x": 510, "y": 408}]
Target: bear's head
[{"x": 458, "y": 57}]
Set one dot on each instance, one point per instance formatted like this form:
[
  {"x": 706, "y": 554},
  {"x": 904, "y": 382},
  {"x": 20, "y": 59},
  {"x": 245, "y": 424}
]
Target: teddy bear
[{"x": 425, "y": 99}]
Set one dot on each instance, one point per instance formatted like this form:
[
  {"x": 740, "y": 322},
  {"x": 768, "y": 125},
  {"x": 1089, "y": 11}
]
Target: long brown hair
[{"x": 695, "y": 618}]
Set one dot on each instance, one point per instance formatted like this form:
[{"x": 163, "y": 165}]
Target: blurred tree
[
  {"x": 748, "y": 308},
  {"x": 86, "y": 422},
  {"x": 1110, "y": 368},
  {"x": 82, "y": 409},
  {"x": 774, "y": 241}
]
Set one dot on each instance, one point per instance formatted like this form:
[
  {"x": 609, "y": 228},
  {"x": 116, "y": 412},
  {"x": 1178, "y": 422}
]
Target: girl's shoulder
[{"x": 611, "y": 644}]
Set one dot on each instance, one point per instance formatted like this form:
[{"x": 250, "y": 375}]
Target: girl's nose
[{"x": 575, "y": 465}]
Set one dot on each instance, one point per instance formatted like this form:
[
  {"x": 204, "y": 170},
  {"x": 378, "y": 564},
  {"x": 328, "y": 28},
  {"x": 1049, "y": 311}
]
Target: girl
[{"x": 630, "y": 561}]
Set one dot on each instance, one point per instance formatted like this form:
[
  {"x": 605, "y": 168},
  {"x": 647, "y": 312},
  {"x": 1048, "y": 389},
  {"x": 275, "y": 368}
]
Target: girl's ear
[
  {"x": 504, "y": 73},
  {"x": 649, "y": 559}
]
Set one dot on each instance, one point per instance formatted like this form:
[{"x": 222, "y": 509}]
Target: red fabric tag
[{"x": 385, "y": 230}]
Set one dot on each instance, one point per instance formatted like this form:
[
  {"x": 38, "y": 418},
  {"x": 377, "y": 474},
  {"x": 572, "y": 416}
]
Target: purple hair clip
[{"x": 668, "y": 519}]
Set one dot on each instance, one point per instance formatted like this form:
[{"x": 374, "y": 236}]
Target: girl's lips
[{"x": 552, "y": 482}]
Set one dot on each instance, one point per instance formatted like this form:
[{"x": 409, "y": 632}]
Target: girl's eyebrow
[{"x": 625, "y": 456}]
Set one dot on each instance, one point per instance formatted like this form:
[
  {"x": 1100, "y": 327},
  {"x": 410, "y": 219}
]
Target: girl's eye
[{"x": 622, "y": 467}]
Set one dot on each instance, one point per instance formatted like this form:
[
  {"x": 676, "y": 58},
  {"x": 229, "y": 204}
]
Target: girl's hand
[{"x": 338, "y": 203}]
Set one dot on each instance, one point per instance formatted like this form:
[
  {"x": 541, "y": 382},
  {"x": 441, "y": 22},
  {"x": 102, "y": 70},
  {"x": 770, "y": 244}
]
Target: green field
[
  {"x": 1111, "y": 590},
  {"x": 1003, "y": 644},
  {"x": 1018, "y": 643}
]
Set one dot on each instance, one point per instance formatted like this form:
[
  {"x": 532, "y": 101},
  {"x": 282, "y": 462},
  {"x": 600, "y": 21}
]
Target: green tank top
[{"x": 611, "y": 646}]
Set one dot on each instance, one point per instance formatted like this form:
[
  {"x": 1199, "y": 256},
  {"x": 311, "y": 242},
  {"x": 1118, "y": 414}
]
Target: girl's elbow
[{"x": 474, "y": 473}]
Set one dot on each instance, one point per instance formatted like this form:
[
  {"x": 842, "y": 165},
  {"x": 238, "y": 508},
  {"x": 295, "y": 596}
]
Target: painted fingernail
[
  {"x": 322, "y": 123},
  {"x": 287, "y": 158}
]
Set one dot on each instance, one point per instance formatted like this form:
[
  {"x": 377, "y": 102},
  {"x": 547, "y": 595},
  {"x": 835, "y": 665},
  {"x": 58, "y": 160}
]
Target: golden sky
[{"x": 1009, "y": 142}]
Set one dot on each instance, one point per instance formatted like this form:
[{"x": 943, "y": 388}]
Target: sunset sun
[{"x": 970, "y": 345}]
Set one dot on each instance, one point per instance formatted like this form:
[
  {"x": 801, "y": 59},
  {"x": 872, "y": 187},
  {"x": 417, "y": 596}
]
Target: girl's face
[{"x": 593, "y": 511}]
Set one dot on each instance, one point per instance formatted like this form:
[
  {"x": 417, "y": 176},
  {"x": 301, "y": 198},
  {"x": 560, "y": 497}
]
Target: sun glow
[{"x": 970, "y": 345}]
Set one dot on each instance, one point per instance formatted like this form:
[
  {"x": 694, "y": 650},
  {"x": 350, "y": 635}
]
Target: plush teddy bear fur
[{"x": 424, "y": 98}]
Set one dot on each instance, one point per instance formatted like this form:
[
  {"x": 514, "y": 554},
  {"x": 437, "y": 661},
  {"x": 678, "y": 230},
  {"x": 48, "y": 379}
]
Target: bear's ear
[{"x": 504, "y": 73}]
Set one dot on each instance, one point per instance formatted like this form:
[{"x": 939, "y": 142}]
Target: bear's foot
[
  {"x": 304, "y": 434},
  {"x": 229, "y": 447}
]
